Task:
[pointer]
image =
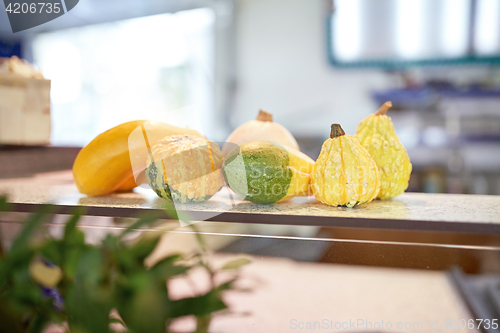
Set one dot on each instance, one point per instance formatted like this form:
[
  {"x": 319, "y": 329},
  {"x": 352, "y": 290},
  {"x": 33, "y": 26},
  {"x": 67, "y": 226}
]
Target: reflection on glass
[
  {"x": 416, "y": 30},
  {"x": 487, "y": 34},
  {"x": 347, "y": 29},
  {"x": 455, "y": 26},
  {"x": 409, "y": 28}
]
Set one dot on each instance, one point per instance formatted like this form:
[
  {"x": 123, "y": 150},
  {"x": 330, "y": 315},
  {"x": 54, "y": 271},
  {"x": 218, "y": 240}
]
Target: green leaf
[
  {"x": 116, "y": 321},
  {"x": 89, "y": 264},
  {"x": 170, "y": 260},
  {"x": 4, "y": 271},
  {"x": 20, "y": 259},
  {"x": 31, "y": 225},
  {"x": 203, "y": 324},
  {"x": 89, "y": 305},
  {"x": 235, "y": 264},
  {"x": 70, "y": 265},
  {"x": 25, "y": 293},
  {"x": 144, "y": 246},
  {"x": 73, "y": 236},
  {"x": 75, "y": 239},
  {"x": 51, "y": 251},
  {"x": 73, "y": 244},
  {"x": 226, "y": 286},
  {"x": 167, "y": 268},
  {"x": 89, "y": 296},
  {"x": 198, "y": 306},
  {"x": 110, "y": 243},
  {"x": 4, "y": 205},
  {"x": 142, "y": 304},
  {"x": 10, "y": 321},
  {"x": 38, "y": 322}
]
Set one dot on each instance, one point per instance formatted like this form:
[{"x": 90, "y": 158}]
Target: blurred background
[
  {"x": 212, "y": 64},
  {"x": 311, "y": 63}
]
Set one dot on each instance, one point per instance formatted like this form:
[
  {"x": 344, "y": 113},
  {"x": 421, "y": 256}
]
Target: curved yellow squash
[
  {"x": 376, "y": 133},
  {"x": 104, "y": 165},
  {"x": 344, "y": 173},
  {"x": 301, "y": 166}
]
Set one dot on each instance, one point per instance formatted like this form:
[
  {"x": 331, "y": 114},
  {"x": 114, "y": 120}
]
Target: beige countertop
[
  {"x": 409, "y": 211},
  {"x": 286, "y": 294}
]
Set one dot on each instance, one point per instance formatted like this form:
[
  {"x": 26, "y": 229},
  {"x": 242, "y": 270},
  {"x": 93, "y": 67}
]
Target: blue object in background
[
  {"x": 9, "y": 49},
  {"x": 56, "y": 297},
  {"x": 428, "y": 95}
]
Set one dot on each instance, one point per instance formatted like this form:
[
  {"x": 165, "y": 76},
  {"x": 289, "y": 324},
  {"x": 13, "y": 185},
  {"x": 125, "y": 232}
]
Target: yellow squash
[
  {"x": 105, "y": 164},
  {"x": 301, "y": 166},
  {"x": 376, "y": 133},
  {"x": 344, "y": 173}
]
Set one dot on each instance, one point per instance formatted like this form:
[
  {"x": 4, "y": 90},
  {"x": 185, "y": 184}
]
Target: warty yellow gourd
[{"x": 376, "y": 133}]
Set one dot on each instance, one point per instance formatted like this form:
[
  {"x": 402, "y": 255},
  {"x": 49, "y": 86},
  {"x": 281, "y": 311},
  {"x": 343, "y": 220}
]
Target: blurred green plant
[{"x": 66, "y": 281}]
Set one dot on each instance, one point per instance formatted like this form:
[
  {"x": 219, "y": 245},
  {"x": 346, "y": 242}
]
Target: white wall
[{"x": 282, "y": 67}]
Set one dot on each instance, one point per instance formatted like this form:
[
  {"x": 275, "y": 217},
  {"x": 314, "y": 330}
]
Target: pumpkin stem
[
  {"x": 384, "y": 108},
  {"x": 336, "y": 131},
  {"x": 265, "y": 116}
]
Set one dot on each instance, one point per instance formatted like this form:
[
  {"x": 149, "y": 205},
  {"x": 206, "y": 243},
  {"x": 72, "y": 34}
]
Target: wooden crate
[{"x": 24, "y": 110}]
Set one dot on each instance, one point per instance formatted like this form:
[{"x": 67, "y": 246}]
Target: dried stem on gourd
[
  {"x": 265, "y": 116},
  {"x": 384, "y": 108},
  {"x": 336, "y": 131}
]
